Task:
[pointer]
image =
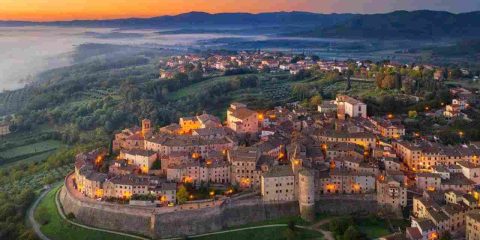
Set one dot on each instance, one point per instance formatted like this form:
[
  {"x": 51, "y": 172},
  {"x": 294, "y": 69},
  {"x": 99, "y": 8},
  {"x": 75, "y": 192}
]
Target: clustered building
[{"x": 292, "y": 154}]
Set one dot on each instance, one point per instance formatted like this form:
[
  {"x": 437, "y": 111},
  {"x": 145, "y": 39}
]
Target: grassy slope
[
  {"x": 37, "y": 147},
  {"x": 275, "y": 233},
  {"x": 23, "y": 147},
  {"x": 373, "y": 228},
  {"x": 35, "y": 158},
  {"x": 58, "y": 229},
  {"x": 189, "y": 90}
]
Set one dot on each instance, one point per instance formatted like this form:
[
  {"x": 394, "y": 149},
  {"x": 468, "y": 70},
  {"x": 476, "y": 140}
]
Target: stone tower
[
  {"x": 146, "y": 127},
  {"x": 306, "y": 197}
]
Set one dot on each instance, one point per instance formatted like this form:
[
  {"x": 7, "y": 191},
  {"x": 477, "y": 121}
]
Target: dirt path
[
  {"x": 327, "y": 234},
  {"x": 31, "y": 217}
]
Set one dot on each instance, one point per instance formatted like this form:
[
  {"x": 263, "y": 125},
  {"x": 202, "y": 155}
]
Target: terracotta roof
[
  {"x": 414, "y": 233},
  {"x": 242, "y": 113},
  {"x": 245, "y": 154},
  {"x": 139, "y": 152}
]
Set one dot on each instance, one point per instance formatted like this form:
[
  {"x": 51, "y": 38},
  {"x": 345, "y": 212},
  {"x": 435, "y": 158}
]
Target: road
[{"x": 31, "y": 218}]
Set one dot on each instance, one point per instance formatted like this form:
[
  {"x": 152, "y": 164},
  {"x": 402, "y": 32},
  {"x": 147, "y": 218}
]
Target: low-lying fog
[{"x": 26, "y": 51}]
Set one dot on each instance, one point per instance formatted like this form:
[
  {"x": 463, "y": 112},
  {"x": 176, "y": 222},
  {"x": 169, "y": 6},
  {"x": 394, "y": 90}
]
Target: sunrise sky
[{"x": 50, "y": 10}]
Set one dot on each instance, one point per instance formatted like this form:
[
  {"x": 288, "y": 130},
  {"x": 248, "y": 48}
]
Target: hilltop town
[
  {"x": 292, "y": 154},
  {"x": 263, "y": 61}
]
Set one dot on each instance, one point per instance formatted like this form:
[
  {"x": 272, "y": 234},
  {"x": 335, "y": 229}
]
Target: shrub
[
  {"x": 70, "y": 216},
  {"x": 42, "y": 216}
]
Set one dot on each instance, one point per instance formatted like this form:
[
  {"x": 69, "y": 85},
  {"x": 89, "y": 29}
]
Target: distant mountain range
[
  {"x": 422, "y": 24},
  {"x": 202, "y": 19},
  {"x": 402, "y": 24}
]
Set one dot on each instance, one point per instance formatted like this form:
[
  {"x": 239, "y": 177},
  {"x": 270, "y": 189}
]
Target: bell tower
[{"x": 146, "y": 127}]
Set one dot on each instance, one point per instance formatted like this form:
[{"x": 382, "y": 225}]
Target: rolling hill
[
  {"x": 404, "y": 25},
  {"x": 422, "y": 24}
]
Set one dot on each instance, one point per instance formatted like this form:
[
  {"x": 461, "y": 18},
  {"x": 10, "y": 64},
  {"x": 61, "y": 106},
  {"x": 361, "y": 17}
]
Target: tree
[
  {"x": 182, "y": 195},
  {"x": 300, "y": 91},
  {"x": 412, "y": 114},
  {"x": 349, "y": 72},
  {"x": 352, "y": 233},
  {"x": 290, "y": 233},
  {"x": 340, "y": 225},
  {"x": 47, "y": 180},
  {"x": 315, "y": 100},
  {"x": 42, "y": 215}
]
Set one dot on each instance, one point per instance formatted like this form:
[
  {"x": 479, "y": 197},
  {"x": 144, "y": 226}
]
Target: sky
[{"x": 51, "y": 10}]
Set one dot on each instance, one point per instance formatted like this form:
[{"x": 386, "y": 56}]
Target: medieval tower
[{"x": 306, "y": 197}]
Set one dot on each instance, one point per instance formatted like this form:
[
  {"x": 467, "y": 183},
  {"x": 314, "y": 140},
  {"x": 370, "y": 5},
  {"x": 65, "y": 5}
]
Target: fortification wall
[
  {"x": 214, "y": 219},
  {"x": 346, "y": 204},
  {"x": 152, "y": 223},
  {"x": 108, "y": 216},
  {"x": 165, "y": 223}
]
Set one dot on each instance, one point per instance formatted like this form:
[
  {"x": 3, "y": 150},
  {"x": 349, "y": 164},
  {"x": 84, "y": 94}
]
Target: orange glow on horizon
[{"x": 53, "y": 10}]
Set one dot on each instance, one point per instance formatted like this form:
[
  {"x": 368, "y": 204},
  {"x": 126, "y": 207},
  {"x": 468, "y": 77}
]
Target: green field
[
  {"x": 284, "y": 220},
  {"x": 35, "y": 158},
  {"x": 34, "y": 179},
  {"x": 265, "y": 87},
  {"x": 59, "y": 229},
  {"x": 28, "y": 146},
  {"x": 37, "y": 151},
  {"x": 190, "y": 90},
  {"x": 373, "y": 228},
  {"x": 273, "y": 233},
  {"x": 25, "y": 137},
  {"x": 33, "y": 148}
]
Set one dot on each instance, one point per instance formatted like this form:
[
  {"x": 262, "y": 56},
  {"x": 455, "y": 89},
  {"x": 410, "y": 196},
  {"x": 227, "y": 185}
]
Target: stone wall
[
  {"x": 109, "y": 216},
  {"x": 346, "y": 206},
  {"x": 156, "y": 223},
  {"x": 214, "y": 219},
  {"x": 147, "y": 222}
]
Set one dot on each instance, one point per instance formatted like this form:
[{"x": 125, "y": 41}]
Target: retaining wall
[{"x": 149, "y": 222}]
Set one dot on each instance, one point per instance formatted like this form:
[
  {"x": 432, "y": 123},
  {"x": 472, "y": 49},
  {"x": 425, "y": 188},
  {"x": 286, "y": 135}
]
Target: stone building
[
  {"x": 341, "y": 181},
  {"x": 143, "y": 159},
  {"x": 278, "y": 184},
  {"x": 129, "y": 138},
  {"x": 425, "y": 155},
  {"x": 166, "y": 145},
  {"x": 194, "y": 171},
  {"x": 241, "y": 119},
  {"x": 391, "y": 193},
  {"x": 351, "y": 107},
  {"x": 306, "y": 194},
  {"x": 473, "y": 225},
  {"x": 204, "y": 121}
]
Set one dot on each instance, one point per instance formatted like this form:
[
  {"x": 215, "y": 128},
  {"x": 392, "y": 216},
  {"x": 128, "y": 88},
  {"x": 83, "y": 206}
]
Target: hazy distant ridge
[
  {"x": 403, "y": 24},
  {"x": 205, "y": 19},
  {"x": 394, "y": 25}
]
